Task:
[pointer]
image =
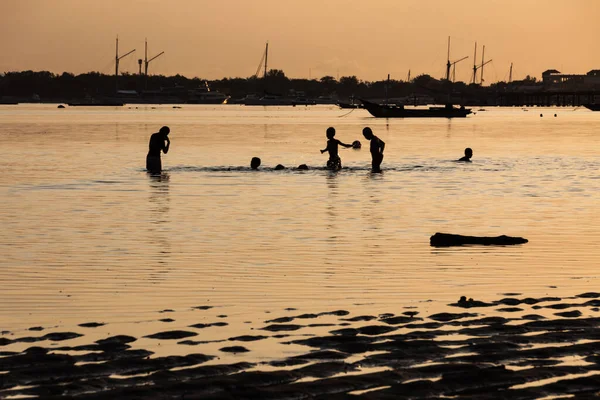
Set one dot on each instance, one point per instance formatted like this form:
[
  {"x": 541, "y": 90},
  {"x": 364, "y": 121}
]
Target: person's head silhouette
[
  {"x": 368, "y": 133},
  {"x": 255, "y": 163},
  {"x": 468, "y": 155},
  {"x": 330, "y": 132}
]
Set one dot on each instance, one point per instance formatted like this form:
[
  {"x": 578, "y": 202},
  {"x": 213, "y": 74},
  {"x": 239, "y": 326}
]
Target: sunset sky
[{"x": 213, "y": 39}]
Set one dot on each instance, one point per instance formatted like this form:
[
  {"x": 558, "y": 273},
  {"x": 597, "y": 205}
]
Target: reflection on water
[
  {"x": 159, "y": 231},
  {"x": 87, "y": 233},
  {"x": 159, "y": 197},
  {"x": 332, "y": 202}
]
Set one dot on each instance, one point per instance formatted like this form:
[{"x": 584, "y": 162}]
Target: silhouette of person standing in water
[
  {"x": 377, "y": 146},
  {"x": 334, "y": 162},
  {"x": 468, "y": 155},
  {"x": 159, "y": 141}
]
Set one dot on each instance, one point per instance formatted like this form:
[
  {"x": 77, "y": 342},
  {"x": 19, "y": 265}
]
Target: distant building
[{"x": 554, "y": 79}]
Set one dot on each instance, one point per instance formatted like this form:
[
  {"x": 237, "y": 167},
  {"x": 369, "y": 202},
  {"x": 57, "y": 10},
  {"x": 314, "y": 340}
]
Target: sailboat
[
  {"x": 398, "y": 111},
  {"x": 267, "y": 99}
]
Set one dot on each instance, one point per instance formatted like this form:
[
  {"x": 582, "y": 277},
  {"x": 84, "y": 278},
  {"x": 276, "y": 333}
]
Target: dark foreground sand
[{"x": 513, "y": 348}]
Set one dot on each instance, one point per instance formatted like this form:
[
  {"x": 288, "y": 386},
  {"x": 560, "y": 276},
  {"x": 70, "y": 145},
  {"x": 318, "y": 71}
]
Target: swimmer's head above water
[
  {"x": 255, "y": 163},
  {"x": 468, "y": 155}
]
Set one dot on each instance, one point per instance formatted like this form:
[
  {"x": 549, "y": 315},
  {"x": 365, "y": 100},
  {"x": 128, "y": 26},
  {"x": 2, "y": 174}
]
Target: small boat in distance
[
  {"x": 204, "y": 95},
  {"x": 592, "y": 106},
  {"x": 398, "y": 111},
  {"x": 199, "y": 96}
]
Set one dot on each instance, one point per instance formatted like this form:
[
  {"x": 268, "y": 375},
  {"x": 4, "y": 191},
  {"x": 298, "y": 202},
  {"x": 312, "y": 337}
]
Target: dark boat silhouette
[
  {"x": 398, "y": 111},
  {"x": 593, "y": 107}
]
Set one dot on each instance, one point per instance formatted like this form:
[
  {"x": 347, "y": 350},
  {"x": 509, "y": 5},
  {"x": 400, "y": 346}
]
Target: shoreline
[{"x": 517, "y": 347}]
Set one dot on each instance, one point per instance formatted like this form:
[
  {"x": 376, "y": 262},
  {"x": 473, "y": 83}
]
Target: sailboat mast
[
  {"x": 146, "y": 61},
  {"x": 117, "y": 64},
  {"x": 117, "y": 58},
  {"x": 482, "y": 63},
  {"x": 266, "y": 58},
  {"x": 448, "y": 63},
  {"x": 510, "y": 73},
  {"x": 475, "y": 63}
]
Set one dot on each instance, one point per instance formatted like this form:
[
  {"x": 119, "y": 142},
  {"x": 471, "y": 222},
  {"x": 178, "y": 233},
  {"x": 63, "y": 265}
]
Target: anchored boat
[{"x": 399, "y": 111}]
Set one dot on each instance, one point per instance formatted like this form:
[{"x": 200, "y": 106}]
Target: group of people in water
[{"x": 159, "y": 141}]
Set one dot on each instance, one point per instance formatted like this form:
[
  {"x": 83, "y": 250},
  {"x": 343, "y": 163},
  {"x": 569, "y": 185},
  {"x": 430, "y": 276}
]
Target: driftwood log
[{"x": 448, "y": 239}]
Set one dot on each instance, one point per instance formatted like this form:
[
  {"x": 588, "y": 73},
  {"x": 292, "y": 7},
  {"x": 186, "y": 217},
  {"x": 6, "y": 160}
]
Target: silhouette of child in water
[
  {"x": 468, "y": 155},
  {"x": 334, "y": 162},
  {"x": 376, "y": 147}
]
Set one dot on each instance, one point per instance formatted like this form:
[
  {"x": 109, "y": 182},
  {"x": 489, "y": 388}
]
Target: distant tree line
[{"x": 49, "y": 87}]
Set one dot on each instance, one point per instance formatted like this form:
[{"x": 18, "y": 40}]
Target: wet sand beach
[{"x": 515, "y": 347}]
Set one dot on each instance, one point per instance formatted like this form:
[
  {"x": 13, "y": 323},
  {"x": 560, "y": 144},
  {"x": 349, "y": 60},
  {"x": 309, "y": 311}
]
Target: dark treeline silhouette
[{"x": 48, "y": 87}]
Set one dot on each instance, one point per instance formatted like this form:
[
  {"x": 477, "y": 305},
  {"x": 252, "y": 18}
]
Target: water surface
[{"x": 88, "y": 235}]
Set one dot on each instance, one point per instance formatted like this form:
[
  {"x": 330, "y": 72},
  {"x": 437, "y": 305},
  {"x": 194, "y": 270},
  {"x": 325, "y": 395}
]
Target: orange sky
[{"x": 370, "y": 39}]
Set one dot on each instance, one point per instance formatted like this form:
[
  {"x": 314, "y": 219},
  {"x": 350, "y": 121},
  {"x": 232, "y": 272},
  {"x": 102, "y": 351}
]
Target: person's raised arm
[
  {"x": 345, "y": 145},
  {"x": 166, "y": 147}
]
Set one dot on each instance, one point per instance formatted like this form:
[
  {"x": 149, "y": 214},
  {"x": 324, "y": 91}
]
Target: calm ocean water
[{"x": 88, "y": 235}]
